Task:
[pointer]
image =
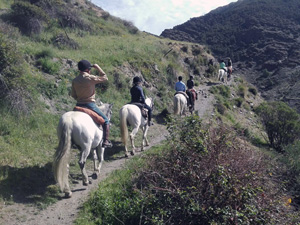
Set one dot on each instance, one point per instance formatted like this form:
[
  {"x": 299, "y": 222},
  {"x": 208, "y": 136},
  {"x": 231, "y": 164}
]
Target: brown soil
[{"x": 65, "y": 211}]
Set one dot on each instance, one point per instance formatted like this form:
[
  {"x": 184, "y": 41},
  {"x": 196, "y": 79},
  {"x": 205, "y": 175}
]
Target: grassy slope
[{"x": 29, "y": 140}]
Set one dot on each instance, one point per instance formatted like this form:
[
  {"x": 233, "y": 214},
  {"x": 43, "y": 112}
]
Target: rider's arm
[
  {"x": 103, "y": 76},
  {"x": 73, "y": 93},
  {"x": 142, "y": 95}
]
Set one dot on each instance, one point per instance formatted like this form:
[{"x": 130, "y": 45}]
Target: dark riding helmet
[
  {"x": 84, "y": 64},
  {"x": 191, "y": 77},
  {"x": 136, "y": 80}
]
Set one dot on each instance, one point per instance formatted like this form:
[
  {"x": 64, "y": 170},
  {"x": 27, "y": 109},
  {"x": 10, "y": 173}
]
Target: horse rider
[
  {"x": 83, "y": 91},
  {"x": 137, "y": 96},
  {"x": 223, "y": 66},
  {"x": 181, "y": 88},
  {"x": 229, "y": 68},
  {"x": 191, "y": 92}
]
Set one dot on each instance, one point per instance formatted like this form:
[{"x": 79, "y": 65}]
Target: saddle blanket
[
  {"x": 144, "y": 111},
  {"x": 97, "y": 119},
  {"x": 194, "y": 93}
]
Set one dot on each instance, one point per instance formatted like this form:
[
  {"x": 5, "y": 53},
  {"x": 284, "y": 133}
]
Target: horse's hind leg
[
  {"x": 98, "y": 156},
  {"x": 84, "y": 154},
  {"x": 132, "y": 135},
  {"x": 67, "y": 190},
  {"x": 145, "y": 141}
]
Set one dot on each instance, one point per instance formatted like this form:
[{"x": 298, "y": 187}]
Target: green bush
[
  {"x": 48, "y": 65},
  {"x": 52, "y": 90},
  {"x": 220, "y": 108},
  {"x": 45, "y": 53},
  {"x": 291, "y": 159},
  {"x": 29, "y": 18},
  {"x": 13, "y": 85},
  {"x": 238, "y": 101},
  {"x": 222, "y": 90},
  {"x": 201, "y": 178},
  {"x": 241, "y": 90},
  {"x": 253, "y": 90},
  {"x": 281, "y": 123}
]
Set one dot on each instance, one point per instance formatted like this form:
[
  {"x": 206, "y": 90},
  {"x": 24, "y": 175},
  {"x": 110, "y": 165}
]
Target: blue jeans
[{"x": 93, "y": 106}]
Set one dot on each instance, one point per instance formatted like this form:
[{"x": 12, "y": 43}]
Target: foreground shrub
[
  {"x": 291, "y": 159},
  {"x": 281, "y": 123},
  {"x": 207, "y": 176}
]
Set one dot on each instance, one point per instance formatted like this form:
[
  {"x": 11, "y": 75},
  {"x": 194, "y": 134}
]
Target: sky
[{"x": 154, "y": 16}]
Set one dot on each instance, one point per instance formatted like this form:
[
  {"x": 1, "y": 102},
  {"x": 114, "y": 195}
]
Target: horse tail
[
  {"x": 61, "y": 157},
  {"x": 123, "y": 125},
  {"x": 176, "y": 105}
]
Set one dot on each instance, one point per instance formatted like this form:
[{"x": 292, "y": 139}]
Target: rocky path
[{"x": 65, "y": 211}]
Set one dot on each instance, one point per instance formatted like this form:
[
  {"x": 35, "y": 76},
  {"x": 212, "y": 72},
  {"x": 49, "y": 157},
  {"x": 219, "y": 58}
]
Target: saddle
[
  {"x": 193, "y": 93},
  {"x": 144, "y": 111},
  {"x": 97, "y": 119},
  {"x": 182, "y": 93}
]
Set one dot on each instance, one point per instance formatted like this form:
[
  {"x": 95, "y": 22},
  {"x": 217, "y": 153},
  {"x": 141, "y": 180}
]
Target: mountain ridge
[{"x": 258, "y": 41}]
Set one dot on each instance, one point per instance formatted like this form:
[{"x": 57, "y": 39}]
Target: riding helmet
[
  {"x": 136, "y": 80},
  {"x": 84, "y": 64}
]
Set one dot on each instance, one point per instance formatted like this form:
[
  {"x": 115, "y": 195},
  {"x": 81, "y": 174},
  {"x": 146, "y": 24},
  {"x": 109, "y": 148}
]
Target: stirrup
[{"x": 107, "y": 145}]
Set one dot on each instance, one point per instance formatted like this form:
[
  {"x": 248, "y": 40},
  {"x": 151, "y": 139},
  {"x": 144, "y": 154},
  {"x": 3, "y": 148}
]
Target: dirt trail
[{"x": 65, "y": 211}]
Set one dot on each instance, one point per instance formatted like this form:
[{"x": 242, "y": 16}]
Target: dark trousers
[{"x": 149, "y": 111}]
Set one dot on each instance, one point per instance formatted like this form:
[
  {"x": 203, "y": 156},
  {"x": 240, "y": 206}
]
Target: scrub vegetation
[{"x": 217, "y": 172}]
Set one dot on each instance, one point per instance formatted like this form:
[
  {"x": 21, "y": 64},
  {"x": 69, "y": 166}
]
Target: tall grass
[{"x": 27, "y": 140}]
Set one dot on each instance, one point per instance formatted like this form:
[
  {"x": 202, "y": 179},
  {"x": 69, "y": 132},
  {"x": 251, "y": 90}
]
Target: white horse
[
  {"x": 222, "y": 76},
  {"x": 180, "y": 104},
  {"x": 131, "y": 114},
  {"x": 78, "y": 128}
]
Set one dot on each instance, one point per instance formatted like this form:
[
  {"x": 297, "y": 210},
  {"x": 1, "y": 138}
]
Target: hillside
[
  {"x": 262, "y": 39},
  {"x": 41, "y": 42}
]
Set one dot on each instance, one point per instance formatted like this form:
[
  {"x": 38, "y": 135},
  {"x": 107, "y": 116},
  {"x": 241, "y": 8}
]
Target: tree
[{"x": 281, "y": 123}]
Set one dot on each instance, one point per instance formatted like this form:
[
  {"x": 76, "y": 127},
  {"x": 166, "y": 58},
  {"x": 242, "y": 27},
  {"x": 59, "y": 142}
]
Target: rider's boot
[
  {"x": 106, "y": 143},
  {"x": 150, "y": 123}
]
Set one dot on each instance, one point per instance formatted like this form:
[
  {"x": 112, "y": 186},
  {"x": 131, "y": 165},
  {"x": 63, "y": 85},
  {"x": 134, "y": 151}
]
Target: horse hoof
[
  {"x": 95, "y": 176},
  {"x": 126, "y": 155},
  {"x": 85, "y": 183},
  {"x": 132, "y": 153},
  {"x": 68, "y": 194}
]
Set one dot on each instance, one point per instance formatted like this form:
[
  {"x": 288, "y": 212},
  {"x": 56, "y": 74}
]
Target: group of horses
[
  {"x": 78, "y": 128},
  {"x": 180, "y": 103}
]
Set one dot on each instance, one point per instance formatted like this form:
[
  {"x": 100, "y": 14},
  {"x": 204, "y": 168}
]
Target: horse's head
[
  {"x": 149, "y": 102},
  {"x": 106, "y": 108}
]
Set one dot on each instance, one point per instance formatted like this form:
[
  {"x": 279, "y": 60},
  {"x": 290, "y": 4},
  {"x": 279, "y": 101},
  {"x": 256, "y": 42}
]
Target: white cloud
[{"x": 156, "y": 15}]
